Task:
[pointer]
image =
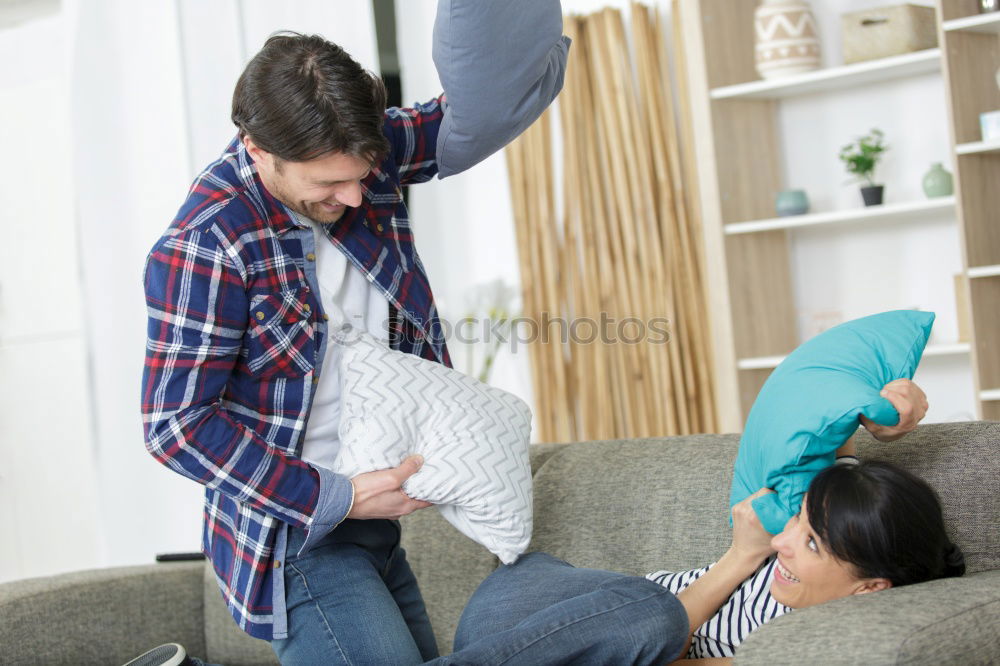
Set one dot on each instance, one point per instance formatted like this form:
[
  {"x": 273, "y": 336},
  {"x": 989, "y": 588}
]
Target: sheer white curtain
[
  {"x": 48, "y": 499},
  {"x": 111, "y": 110}
]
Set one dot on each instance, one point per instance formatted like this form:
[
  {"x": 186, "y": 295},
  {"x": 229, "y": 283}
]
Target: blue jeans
[
  {"x": 541, "y": 610},
  {"x": 353, "y": 599}
]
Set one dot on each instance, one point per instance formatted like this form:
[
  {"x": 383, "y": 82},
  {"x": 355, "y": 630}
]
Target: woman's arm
[{"x": 751, "y": 545}]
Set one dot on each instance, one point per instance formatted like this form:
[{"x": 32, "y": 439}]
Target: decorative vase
[
  {"x": 791, "y": 202},
  {"x": 872, "y": 194},
  {"x": 938, "y": 182},
  {"x": 787, "y": 41}
]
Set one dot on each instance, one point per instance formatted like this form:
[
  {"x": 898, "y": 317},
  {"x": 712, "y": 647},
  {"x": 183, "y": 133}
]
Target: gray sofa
[{"x": 633, "y": 506}]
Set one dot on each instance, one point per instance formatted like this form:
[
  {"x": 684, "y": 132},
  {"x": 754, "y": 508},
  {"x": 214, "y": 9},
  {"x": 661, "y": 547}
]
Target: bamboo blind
[{"x": 627, "y": 246}]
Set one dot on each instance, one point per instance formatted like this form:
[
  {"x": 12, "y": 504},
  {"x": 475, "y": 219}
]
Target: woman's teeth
[{"x": 787, "y": 575}]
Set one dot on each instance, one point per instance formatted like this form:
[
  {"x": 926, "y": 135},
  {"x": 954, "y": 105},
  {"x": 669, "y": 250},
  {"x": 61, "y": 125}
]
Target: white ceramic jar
[{"x": 787, "y": 41}]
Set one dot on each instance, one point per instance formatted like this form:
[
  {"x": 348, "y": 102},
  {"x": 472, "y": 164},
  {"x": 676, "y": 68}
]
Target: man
[{"x": 298, "y": 229}]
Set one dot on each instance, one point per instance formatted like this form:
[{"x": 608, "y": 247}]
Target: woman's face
[{"x": 807, "y": 573}]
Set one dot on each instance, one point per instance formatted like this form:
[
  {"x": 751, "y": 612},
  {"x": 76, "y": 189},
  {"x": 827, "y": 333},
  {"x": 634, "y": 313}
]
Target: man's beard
[{"x": 313, "y": 210}]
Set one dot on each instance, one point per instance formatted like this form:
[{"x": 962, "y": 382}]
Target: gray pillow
[{"x": 501, "y": 63}]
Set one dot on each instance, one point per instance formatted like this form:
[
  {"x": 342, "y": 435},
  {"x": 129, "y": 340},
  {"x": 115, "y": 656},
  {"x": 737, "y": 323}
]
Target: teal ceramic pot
[
  {"x": 791, "y": 202},
  {"x": 938, "y": 182}
]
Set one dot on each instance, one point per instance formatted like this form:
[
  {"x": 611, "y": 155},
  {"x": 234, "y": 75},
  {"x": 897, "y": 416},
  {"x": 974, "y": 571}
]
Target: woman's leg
[{"x": 544, "y": 611}]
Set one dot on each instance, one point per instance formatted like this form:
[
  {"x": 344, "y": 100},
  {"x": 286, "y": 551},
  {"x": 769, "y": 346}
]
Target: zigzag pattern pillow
[{"x": 473, "y": 437}]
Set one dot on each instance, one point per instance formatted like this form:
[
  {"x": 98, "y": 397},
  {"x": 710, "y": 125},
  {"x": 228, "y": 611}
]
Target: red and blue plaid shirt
[{"x": 233, "y": 334}]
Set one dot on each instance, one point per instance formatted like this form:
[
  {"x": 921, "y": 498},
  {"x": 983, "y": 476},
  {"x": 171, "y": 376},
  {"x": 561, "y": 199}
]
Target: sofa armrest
[
  {"x": 955, "y": 620},
  {"x": 103, "y": 616}
]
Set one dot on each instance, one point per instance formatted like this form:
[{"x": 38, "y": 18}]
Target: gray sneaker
[{"x": 170, "y": 654}]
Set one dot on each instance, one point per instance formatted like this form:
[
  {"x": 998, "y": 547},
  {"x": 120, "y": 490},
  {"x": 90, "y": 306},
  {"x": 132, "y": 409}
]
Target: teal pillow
[{"x": 810, "y": 405}]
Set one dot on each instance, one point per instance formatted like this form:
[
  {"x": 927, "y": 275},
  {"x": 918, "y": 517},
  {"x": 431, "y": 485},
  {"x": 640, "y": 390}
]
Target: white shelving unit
[
  {"x": 746, "y": 134},
  {"x": 901, "y": 212},
  {"x": 768, "y": 362},
  {"x": 978, "y": 147},
  {"x": 984, "y": 23},
  {"x": 984, "y": 272},
  {"x": 836, "y": 78}
]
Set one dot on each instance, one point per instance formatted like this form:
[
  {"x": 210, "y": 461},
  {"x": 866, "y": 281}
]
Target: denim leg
[
  {"x": 339, "y": 603},
  {"x": 402, "y": 584},
  {"x": 543, "y": 611},
  {"x": 513, "y": 592}
]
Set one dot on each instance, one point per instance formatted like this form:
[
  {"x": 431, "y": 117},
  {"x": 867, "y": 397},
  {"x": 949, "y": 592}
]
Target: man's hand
[
  {"x": 380, "y": 494},
  {"x": 911, "y": 403}
]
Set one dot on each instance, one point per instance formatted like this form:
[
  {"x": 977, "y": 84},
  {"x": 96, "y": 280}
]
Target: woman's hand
[
  {"x": 911, "y": 403},
  {"x": 751, "y": 542}
]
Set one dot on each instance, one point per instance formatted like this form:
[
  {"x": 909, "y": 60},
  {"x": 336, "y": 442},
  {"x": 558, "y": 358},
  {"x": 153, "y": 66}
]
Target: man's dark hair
[
  {"x": 302, "y": 97},
  {"x": 883, "y": 520}
]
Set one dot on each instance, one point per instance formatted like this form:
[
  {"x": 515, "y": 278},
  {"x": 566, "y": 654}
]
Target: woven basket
[{"x": 887, "y": 31}]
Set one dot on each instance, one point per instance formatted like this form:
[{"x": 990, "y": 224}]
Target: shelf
[
  {"x": 983, "y": 271},
  {"x": 993, "y": 394},
  {"x": 978, "y": 147},
  {"x": 884, "y": 213},
  {"x": 985, "y": 23},
  {"x": 768, "y": 362},
  {"x": 927, "y": 61}
]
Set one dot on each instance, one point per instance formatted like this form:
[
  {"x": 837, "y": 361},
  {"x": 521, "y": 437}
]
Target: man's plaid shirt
[{"x": 233, "y": 333}]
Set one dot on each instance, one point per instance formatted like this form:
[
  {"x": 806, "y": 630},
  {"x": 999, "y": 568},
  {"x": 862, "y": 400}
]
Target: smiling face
[
  {"x": 321, "y": 188},
  {"x": 807, "y": 573}
]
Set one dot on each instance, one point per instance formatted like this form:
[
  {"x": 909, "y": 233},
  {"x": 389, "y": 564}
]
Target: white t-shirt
[{"x": 347, "y": 298}]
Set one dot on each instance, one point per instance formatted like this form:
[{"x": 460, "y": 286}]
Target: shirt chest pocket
[{"x": 281, "y": 337}]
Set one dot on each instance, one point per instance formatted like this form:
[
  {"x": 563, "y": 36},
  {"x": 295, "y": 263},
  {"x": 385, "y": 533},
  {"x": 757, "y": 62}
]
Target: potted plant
[{"x": 860, "y": 157}]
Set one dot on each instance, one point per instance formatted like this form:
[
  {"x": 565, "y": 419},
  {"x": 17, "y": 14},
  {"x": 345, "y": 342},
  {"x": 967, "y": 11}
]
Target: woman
[{"x": 862, "y": 528}]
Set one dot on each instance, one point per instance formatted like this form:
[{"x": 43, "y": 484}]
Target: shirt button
[
  {"x": 277, "y": 564},
  {"x": 260, "y": 315},
  {"x": 306, "y": 307},
  {"x": 379, "y": 227},
  {"x": 311, "y": 257},
  {"x": 315, "y": 380},
  {"x": 326, "y": 317}
]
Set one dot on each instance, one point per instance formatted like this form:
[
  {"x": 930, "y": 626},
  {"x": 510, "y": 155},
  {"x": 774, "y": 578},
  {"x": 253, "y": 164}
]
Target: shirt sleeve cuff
[{"x": 336, "y": 499}]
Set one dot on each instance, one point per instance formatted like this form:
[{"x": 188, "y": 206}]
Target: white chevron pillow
[{"x": 473, "y": 437}]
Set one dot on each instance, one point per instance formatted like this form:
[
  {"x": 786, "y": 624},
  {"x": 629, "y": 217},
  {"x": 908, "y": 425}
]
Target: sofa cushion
[
  {"x": 225, "y": 642},
  {"x": 810, "y": 404},
  {"x": 636, "y": 505},
  {"x": 449, "y": 566},
  {"x": 950, "y": 621},
  {"x": 104, "y": 616},
  {"x": 961, "y": 462}
]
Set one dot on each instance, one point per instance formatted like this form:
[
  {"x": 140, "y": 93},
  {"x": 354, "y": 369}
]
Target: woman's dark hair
[
  {"x": 884, "y": 521},
  {"x": 302, "y": 97}
]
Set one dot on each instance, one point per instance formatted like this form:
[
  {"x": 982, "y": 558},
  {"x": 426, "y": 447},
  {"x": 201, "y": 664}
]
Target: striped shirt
[{"x": 750, "y": 606}]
